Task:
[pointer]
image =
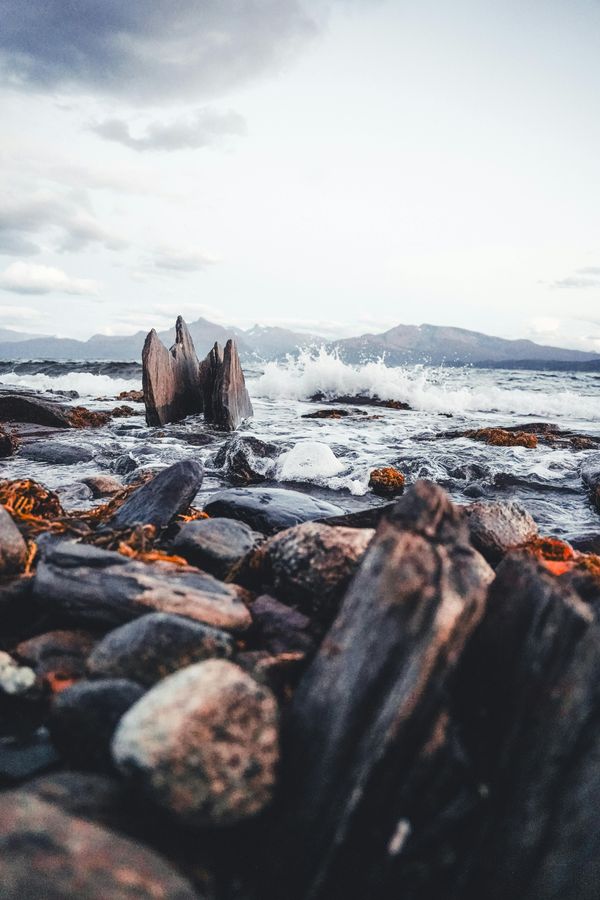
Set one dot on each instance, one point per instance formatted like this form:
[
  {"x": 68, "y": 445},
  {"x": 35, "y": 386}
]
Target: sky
[{"x": 332, "y": 166}]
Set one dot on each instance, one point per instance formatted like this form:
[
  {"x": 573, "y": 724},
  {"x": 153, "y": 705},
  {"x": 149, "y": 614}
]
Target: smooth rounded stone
[
  {"x": 124, "y": 464},
  {"x": 59, "y": 454},
  {"x": 278, "y": 628},
  {"x": 103, "y": 485},
  {"x": 23, "y": 756},
  {"x": 161, "y": 499},
  {"x": 84, "y": 717},
  {"x": 269, "y": 509},
  {"x": 247, "y": 460},
  {"x": 57, "y": 657},
  {"x": 216, "y": 545},
  {"x": 13, "y": 549},
  {"x": 46, "y": 853},
  {"x": 474, "y": 490},
  {"x": 203, "y": 744},
  {"x": 88, "y": 584},
  {"x": 72, "y": 496},
  {"x": 311, "y": 564},
  {"x": 496, "y": 527},
  {"x": 154, "y": 646}
]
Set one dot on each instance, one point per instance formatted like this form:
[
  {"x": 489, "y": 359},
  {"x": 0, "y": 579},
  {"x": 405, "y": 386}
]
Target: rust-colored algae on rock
[
  {"x": 80, "y": 417},
  {"x": 32, "y": 504},
  {"x": 499, "y": 437},
  {"x": 387, "y": 482}
]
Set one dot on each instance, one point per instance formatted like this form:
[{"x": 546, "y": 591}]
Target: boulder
[
  {"x": 158, "y": 501},
  {"x": 154, "y": 646},
  {"x": 269, "y": 509},
  {"x": 13, "y": 549},
  {"x": 57, "y": 454},
  {"x": 90, "y": 585},
  {"x": 171, "y": 379},
  {"x": 497, "y": 527},
  {"x": 46, "y": 853},
  {"x": 83, "y": 719},
  {"x": 102, "y": 485},
  {"x": 203, "y": 744},
  {"x": 57, "y": 657},
  {"x": 226, "y": 400},
  {"x": 27, "y": 408},
  {"x": 247, "y": 460},
  {"x": 22, "y": 756},
  {"x": 216, "y": 545},
  {"x": 311, "y": 564},
  {"x": 278, "y": 628}
]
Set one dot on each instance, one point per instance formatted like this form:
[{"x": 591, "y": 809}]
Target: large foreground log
[
  {"x": 171, "y": 378},
  {"x": 370, "y": 714}
]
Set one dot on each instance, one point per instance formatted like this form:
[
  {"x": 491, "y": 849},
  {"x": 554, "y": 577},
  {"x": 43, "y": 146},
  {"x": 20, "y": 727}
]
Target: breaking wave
[{"x": 87, "y": 384}]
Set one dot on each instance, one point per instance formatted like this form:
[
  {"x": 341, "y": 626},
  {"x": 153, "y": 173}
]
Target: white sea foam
[
  {"x": 313, "y": 462},
  {"x": 432, "y": 390},
  {"x": 85, "y": 383}
]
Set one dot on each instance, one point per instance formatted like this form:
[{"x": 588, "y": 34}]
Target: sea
[{"x": 333, "y": 458}]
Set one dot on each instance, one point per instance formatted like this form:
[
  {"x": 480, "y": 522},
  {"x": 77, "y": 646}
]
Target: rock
[
  {"x": 311, "y": 564},
  {"x": 8, "y": 443},
  {"x": 158, "y": 501},
  {"x": 269, "y": 509},
  {"x": 45, "y": 853},
  {"x": 360, "y": 399},
  {"x": 333, "y": 414},
  {"x": 17, "y": 606},
  {"x": 122, "y": 412},
  {"x": 172, "y": 385},
  {"x": 102, "y": 485},
  {"x": 16, "y": 407},
  {"x": 280, "y": 672},
  {"x": 57, "y": 657},
  {"x": 362, "y": 769},
  {"x": 13, "y": 549},
  {"x": 500, "y": 437},
  {"x": 100, "y": 798},
  {"x": 226, "y": 400},
  {"x": 134, "y": 396},
  {"x": 280, "y": 629},
  {"x": 474, "y": 491},
  {"x": 247, "y": 460},
  {"x": 386, "y": 482},
  {"x": 83, "y": 719},
  {"x": 80, "y": 417},
  {"x": 362, "y": 518},
  {"x": 14, "y": 679},
  {"x": 590, "y": 473},
  {"x": 154, "y": 646},
  {"x": 23, "y": 756},
  {"x": 216, "y": 545},
  {"x": 124, "y": 464},
  {"x": 203, "y": 744},
  {"x": 586, "y": 543},
  {"x": 498, "y": 527},
  {"x": 58, "y": 454},
  {"x": 90, "y": 585}
]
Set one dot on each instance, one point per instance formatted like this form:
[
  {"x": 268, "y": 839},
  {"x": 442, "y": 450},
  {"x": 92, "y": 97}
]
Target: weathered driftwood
[
  {"x": 226, "y": 400},
  {"x": 370, "y": 714},
  {"x": 171, "y": 378}
]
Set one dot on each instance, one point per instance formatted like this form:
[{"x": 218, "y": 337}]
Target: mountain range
[{"x": 430, "y": 344}]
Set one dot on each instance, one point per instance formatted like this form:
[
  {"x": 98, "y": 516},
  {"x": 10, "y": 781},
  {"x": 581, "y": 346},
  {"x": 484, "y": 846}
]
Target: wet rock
[
  {"x": 334, "y": 414},
  {"x": 13, "y": 549},
  {"x": 122, "y": 412},
  {"x": 590, "y": 473},
  {"x": 226, "y": 400},
  {"x": 280, "y": 672},
  {"x": 359, "y": 399},
  {"x": 154, "y": 646},
  {"x": 496, "y": 528},
  {"x": 124, "y": 464},
  {"x": 362, "y": 518},
  {"x": 45, "y": 853},
  {"x": 16, "y": 407},
  {"x": 14, "y": 679},
  {"x": 57, "y": 657},
  {"x": 172, "y": 386},
  {"x": 469, "y": 472},
  {"x": 23, "y": 756},
  {"x": 74, "y": 496},
  {"x": 474, "y": 491},
  {"x": 102, "y": 485},
  {"x": 83, "y": 719},
  {"x": 17, "y": 606},
  {"x": 216, "y": 545},
  {"x": 56, "y": 453},
  {"x": 134, "y": 396},
  {"x": 247, "y": 460},
  {"x": 90, "y": 795},
  {"x": 158, "y": 501},
  {"x": 586, "y": 543},
  {"x": 500, "y": 437},
  {"x": 80, "y": 417},
  {"x": 269, "y": 509},
  {"x": 311, "y": 564},
  {"x": 90, "y": 585},
  {"x": 203, "y": 744},
  {"x": 386, "y": 482},
  {"x": 278, "y": 628},
  {"x": 8, "y": 443}
]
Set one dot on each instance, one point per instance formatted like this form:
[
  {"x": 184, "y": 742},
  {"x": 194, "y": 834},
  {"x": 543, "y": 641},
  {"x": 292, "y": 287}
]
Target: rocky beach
[{"x": 297, "y": 634}]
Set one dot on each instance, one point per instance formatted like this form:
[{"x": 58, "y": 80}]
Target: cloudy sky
[{"x": 337, "y": 166}]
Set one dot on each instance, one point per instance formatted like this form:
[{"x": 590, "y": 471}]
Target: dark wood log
[
  {"x": 171, "y": 378},
  {"x": 369, "y": 716},
  {"x": 226, "y": 400}
]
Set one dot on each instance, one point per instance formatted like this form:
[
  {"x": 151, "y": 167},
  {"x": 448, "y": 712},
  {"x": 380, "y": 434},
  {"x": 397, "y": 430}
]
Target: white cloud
[
  {"x": 198, "y": 129},
  {"x": 183, "y": 260},
  {"x": 27, "y": 278}
]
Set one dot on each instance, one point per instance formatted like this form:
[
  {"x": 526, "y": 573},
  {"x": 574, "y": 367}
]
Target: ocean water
[{"x": 333, "y": 458}]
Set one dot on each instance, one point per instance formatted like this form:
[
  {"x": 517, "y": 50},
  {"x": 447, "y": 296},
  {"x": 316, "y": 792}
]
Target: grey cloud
[
  {"x": 151, "y": 51},
  {"x": 182, "y": 261},
  {"x": 202, "y": 128},
  {"x": 576, "y": 281}
]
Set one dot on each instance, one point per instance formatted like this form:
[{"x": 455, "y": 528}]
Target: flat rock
[
  {"x": 171, "y": 381},
  {"x": 45, "y": 853},
  {"x": 90, "y": 585},
  {"x": 203, "y": 744},
  {"x": 56, "y": 453},
  {"x": 311, "y": 564},
  {"x": 216, "y": 545},
  {"x": 270, "y": 509},
  {"x": 16, "y": 407},
  {"x": 13, "y": 549},
  {"x": 497, "y": 527},
  {"x": 154, "y": 646},
  {"x": 102, "y": 485},
  {"x": 158, "y": 501},
  {"x": 83, "y": 719},
  {"x": 247, "y": 459}
]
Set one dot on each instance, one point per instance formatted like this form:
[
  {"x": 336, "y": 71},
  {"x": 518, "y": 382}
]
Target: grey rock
[
  {"x": 58, "y": 454},
  {"x": 102, "y": 485},
  {"x": 278, "y": 628},
  {"x": 269, "y": 509},
  {"x": 13, "y": 549},
  {"x": 154, "y": 646},
  {"x": 216, "y": 545},
  {"x": 161, "y": 499},
  {"x": 590, "y": 473},
  {"x": 16, "y": 407},
  {"x": 203, "y": 744},
  {"x": 247, "y": 460},
  {"x": 24, "y": 756},
  {"x": 497, "y": 527}
]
